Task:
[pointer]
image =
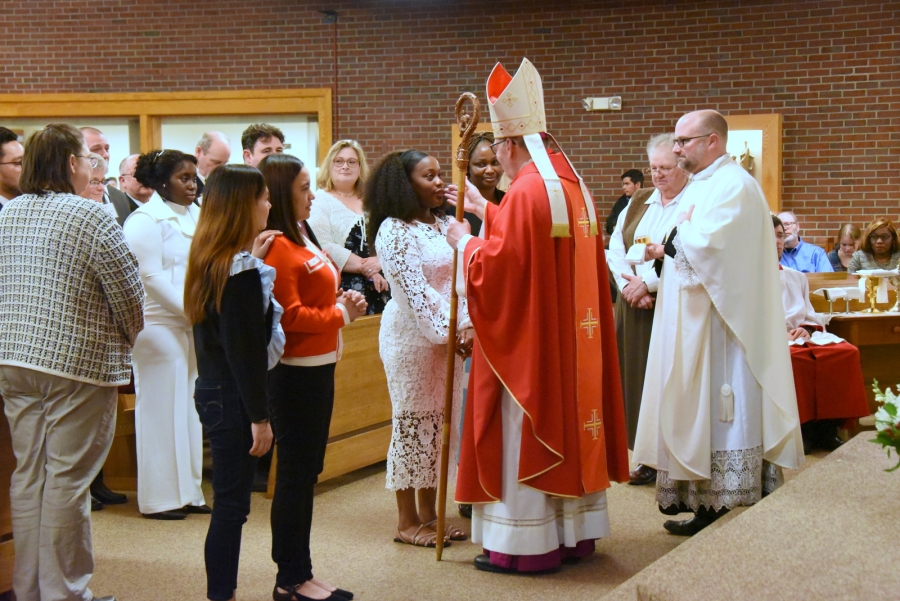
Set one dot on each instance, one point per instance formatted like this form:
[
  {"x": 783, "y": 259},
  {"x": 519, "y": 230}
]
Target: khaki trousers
[{"x": 61, "y": 433}]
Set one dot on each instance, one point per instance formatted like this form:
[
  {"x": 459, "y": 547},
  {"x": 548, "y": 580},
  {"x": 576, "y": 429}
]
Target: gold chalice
[
  {"x": 642, "y": 240},
  {"x": 895, "y": 282},
  {"x": 872, "y": 283}
]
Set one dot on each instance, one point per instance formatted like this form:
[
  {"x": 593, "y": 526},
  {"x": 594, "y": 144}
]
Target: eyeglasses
[
  {"x": 94, "y": 162},
  {"x": 680, "y": 142},
  {"x": 339, "y": 162},
  {"x": 496, "y": 144},
  {"x": 13, "y": 163},
  {"x": 95, "y": 182},
  {"x": 880, "y": 237},
  {"x": 788, "y": 223},
  {"x": 660, "y": 170},
  {"x": 126, "y": 174}
]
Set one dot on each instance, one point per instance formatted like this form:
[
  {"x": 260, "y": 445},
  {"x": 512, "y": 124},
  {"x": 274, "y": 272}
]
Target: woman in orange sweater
[{"x": 301, "y": 386}]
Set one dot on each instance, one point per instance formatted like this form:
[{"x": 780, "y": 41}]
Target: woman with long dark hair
[
  {"x": 407, "y": 228},
  {"x": 228, "y": 299},
  {"x": 301, "y": 386}
]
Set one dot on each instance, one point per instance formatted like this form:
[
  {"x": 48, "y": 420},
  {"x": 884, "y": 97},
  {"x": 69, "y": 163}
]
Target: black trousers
[
  {"x": 230, "y": 439},
  {"x": 300, "y": 404}
]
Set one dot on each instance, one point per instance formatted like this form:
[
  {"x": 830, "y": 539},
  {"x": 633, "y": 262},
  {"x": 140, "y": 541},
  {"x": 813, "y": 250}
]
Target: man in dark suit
[
  {"x": 131, "y": 194},
  {"x": 632, "y": 180},
  {"x": 213, "y": 149},
  {"x": 11, "y": 152}
]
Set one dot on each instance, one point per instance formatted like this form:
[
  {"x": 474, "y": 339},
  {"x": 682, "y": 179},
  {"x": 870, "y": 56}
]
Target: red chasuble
[{"x": 527, "y": 292}]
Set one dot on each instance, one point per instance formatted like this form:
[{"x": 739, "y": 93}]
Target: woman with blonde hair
[
  {"x": 879, "y": 249},
  {"x": 338, "y": 220},
  {"x": 228, "y": 299},
  {"x": 846, "y": 243}
]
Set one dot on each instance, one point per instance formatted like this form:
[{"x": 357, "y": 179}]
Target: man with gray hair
[
  {"x": 800, "y": 255},
  {"x": 213, "y": 149},
  {"x": 719, "y": 416},
  {"x": 649, "y": 215},
  {"x": 132, "y": 194}
]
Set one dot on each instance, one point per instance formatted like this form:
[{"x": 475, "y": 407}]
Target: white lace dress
[{"x": 418, "y": 264}]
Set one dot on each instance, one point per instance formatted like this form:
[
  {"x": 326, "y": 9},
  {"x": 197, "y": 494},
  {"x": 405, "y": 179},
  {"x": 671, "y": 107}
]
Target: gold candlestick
[
  {"x": 895, "y": 281},
  {"x": 872, "y": 283}
]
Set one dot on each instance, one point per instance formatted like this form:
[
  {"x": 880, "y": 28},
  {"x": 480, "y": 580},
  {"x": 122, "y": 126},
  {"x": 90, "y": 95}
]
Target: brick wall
[{"x": 832, "y": 68}]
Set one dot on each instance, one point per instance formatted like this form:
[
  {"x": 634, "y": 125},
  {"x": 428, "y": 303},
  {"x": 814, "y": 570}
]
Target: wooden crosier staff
[{"x": 467, "y": 123}]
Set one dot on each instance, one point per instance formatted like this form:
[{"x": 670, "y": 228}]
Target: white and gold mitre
[{"x": 516, "y": 103}]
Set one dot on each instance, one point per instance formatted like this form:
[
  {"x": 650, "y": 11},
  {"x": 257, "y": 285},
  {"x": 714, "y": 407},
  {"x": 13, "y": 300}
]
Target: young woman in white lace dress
[{"x": 403, "y": 200}]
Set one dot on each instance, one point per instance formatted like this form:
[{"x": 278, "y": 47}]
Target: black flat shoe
[
  {"x": 95, "y": 504},
  {"x": 345, "y": 594},
  {"x": 106, "y": 496},
  {"x": 172, "y": 514},
  {"x": 829, "y": 443},
  {"x": 483, "y": 563},
  {"x": 295, "y": 596},
  {"x": 201, "y": 509}
]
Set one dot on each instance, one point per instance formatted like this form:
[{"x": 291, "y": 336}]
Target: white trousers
[
  {"x": 61, "y": 433},
  {"x": 527, "y": 521},
  {"x": 168, "y": 434}
]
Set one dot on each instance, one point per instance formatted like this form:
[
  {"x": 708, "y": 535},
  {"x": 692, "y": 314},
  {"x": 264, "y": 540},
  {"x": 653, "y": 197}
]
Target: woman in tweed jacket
[{"x": 71, "y": 305}]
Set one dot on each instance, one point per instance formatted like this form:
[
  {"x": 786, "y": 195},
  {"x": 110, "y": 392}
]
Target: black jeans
[
  {"x": 300, "y": 404},
  {"x": 230, "y": 439}
]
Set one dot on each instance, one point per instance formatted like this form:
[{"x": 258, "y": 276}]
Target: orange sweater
[{"x": 306, "y": 282}]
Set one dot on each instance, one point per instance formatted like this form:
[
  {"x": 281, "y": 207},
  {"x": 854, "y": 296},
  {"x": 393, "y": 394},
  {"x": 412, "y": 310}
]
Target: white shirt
[
  {"x": 798, "y": 310},
  {"x": 656, "y": 223}
]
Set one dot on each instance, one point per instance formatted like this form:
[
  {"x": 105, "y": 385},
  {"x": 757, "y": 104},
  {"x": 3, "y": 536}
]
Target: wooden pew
[{"x": 361, "y": 423}]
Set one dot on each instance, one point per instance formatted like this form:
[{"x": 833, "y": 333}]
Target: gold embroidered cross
[
  {"x": 585, "y": 222},
  {"x": 589, "y": 323},
  {"x": 593, "y": 424},
  {"x": 510, "y": 100}
]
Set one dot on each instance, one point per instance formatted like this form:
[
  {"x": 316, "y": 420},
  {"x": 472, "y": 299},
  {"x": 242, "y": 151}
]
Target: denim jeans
[
  {"x": 300, "y": 401},
  {"x": 228, "y": 428}
]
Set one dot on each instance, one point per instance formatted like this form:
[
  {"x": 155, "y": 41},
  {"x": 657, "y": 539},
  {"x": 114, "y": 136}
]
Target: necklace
[{"x": 344, "y": 194}]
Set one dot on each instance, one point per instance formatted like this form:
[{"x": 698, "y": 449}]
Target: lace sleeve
[
  {"x": 686, "y": 276},
  {"x": 400, "y": 260}
]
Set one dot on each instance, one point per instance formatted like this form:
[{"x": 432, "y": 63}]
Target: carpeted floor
[{"x": 142, "y": 560}]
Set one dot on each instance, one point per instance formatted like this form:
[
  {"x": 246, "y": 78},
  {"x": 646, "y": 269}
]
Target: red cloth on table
[{"x": 829, "y": 383}]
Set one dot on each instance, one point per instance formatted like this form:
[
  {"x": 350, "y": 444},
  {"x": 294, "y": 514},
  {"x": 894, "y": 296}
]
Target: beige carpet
[{"x": 145, "y": 560}]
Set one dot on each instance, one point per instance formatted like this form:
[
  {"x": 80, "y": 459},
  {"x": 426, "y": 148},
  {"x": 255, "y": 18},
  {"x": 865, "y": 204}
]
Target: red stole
[{"x": 529, "y": 296}]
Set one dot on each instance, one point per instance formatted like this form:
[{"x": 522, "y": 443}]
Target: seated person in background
[
  {"x": 827, "y": 378},
  {"x": 847, "y": 243},
  {"x": 879, "y": 249},
  {"x": 798, "y": 254}
]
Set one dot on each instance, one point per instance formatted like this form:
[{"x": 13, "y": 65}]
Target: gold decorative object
[
  {"x": 895, "y": 282},
  {"x": 642, "y": 240},
  {"x": 872, "y": 283}
]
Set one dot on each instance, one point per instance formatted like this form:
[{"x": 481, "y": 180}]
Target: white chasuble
[{"x": 719, "y": 321}]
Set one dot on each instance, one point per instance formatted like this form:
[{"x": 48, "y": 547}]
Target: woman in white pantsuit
[{"x": 168, "y": 431}]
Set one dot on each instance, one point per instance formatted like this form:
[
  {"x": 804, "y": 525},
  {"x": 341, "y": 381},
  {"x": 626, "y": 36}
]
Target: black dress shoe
[
  {"x": 95, "y": 504},
  {"x": 703, "y": 518},
  {"x": 483, "y": 563},
  {"x": 172, "y": 514},
  {"x": 110, "y": 598},
  {"x": 465, "y": 510},
  {"x": 201, "y": 509},
  {"x": 829, "y": 443},
  {"x": 674, "y": 509},
  {"x": 345, "y": 594},
  {"x": 106, "y": 496},
  {"x": 642, "y": 475},
  {"x": 260, "y": 482}
]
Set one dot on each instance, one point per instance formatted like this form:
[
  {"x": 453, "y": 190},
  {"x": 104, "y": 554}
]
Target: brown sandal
[
  {"x": 419, "y": 539},
  {"x": 451, "y": 531}
]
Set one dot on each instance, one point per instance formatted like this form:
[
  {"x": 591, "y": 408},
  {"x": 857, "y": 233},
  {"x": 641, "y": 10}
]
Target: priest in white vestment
[{"x": 718, "y": 414}]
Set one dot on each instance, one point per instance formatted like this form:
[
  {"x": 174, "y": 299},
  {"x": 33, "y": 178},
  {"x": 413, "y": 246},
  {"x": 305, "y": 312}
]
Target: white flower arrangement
[{"x": 887, "y": 421}]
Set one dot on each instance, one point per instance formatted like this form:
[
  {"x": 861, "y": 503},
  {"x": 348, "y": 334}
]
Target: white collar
[{"x": 707, "y": 173}]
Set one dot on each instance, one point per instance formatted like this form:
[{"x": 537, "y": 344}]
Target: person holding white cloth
[
  {"x": 167, "y": 427},
  {"x": 650, "y": 214},
  {"x": 719, "y": 413}
]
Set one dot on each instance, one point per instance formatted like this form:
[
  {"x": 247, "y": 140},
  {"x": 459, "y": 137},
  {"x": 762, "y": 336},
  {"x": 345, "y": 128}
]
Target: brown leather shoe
[{"x": 642, "y": 475}]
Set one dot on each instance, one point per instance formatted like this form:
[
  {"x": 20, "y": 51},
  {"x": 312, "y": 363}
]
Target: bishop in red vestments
[{"x": 544, "y": 430}]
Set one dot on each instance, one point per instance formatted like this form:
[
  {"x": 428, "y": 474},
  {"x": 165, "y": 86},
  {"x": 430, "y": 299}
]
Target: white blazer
[{"x": 160, "y": 234}]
